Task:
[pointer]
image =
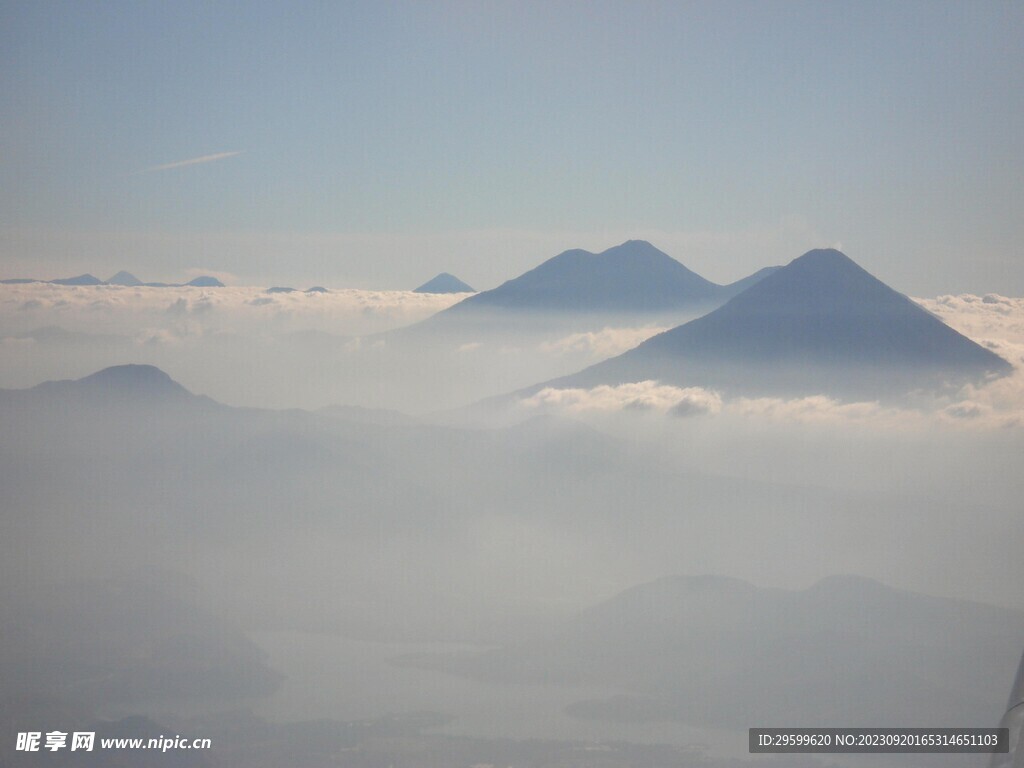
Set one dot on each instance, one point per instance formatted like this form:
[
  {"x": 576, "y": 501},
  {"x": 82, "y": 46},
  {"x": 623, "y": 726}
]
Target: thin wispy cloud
[{"x": 191, "y": 161}]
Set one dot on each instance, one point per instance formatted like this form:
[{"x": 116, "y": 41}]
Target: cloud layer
[
  {"x": 189, "y": 311},
  {"x": 640, "y": 396},
  {"x": 306, "y": 325},
  {"x": 996, "y": 405}
]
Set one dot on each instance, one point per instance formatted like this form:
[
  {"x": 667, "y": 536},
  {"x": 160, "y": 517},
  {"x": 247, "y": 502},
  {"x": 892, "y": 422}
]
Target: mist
[{"x": 480, "y": 574}]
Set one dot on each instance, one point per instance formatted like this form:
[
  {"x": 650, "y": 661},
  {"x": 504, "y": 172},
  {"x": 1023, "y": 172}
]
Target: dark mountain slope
[{"x": 822, "y": 324}]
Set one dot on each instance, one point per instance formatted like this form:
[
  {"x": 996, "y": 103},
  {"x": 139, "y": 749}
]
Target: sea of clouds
[
  {"x": 165, "y": 317},
  {"x": 163, "y": 314}
]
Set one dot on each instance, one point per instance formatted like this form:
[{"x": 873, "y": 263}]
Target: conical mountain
[
  {"x": 822, "y": 324},
  {"x": 124, "y": 278},
  {"x": 444, "y": 283}
]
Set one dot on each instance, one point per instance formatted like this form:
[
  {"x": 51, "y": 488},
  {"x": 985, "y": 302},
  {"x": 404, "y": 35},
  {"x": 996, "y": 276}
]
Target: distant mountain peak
[
  {"x": 634, "y": 246},
  {"x": 132, "y": 375},
  {"x": 205, "y": 281},
  {"x": 824, "y": 256},
  {"x": 629, "y": 277},
  {"x": 444, "y": 283},
  {"x": 85, "y": 279},
  {"x": 827, "y": 260},
  {"x": 124, "y": 278},
  {"x": 122, "y": 383},
  {"x": 134, "y": 380}
]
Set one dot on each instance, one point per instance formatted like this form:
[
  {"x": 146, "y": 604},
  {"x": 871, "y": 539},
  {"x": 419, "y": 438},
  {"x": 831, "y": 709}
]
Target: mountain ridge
[
  {"x": 628, "y": 277},
  {"x": 579, "y": 290},
  {"x": 122, "y": 278}
]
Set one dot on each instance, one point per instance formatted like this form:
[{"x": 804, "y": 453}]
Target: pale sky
[{"x": 375, "y": 144}]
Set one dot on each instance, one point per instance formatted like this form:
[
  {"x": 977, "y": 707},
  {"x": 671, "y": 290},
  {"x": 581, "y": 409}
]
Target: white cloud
[
  {"x": 818, "y": 409},
  {"x": 996, "y": 405},
  {"x": 997, "y": 323},
  {"x": 640, "y": 396},
  {"x": 607, "y": 342},
  {"x": 992, "y": 320},
  {"x": 130, "y": 311},
  {"x": 695, "y": 401},
  {"x": 692, "y": 401}
]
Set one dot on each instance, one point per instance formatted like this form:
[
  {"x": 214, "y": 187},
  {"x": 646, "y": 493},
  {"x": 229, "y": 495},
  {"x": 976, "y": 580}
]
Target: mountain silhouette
[
  {"x": 124, "y": 278},
  {"x": 85, "y": 279},
  {"x": 127, "y": 384},
  {"x": 634, "y": 276},
  {"x": 822, "y": 324},
  {"x": 121, "y": 278},
  {"x": 579, "y": 290},
  {"x": 444, "y": 283},
  {"x": 205, "y": 281}
]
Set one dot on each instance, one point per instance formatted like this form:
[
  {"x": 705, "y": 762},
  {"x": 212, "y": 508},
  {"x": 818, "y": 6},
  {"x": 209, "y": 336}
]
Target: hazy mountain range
[
  {"x": 821, "y": 326},
  {"x": 631, "y": 277},
  {"x": 121, "y": 278},
  {"x": 366, "y": 524},
  {"x": 722, "y": 652},
  {"x": 630, "y": 280}
]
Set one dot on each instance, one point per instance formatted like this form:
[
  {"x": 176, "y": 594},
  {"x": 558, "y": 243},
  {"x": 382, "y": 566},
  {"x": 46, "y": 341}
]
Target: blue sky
[{"x": 380, "y": 143}]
